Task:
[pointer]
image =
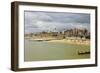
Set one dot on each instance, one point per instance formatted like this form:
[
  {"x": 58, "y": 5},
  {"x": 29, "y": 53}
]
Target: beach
[
  {"x": 86, "y": 42},
  {"x": 67, "y": 40}
]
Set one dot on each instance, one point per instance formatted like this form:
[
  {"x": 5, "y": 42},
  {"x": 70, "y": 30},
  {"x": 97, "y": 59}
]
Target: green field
[{"x": 44, "y": 50}]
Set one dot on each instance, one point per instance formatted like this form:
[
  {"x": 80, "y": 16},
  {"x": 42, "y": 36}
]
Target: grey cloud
[{"x": 48, "y": 21}]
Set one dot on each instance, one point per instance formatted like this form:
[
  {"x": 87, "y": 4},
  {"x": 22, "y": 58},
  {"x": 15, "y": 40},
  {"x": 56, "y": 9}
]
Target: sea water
[{"x": 44, "y": 50}]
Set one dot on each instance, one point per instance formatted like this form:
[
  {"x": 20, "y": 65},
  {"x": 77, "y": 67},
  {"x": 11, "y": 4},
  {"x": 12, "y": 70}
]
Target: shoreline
[
  {"x": 68, "y": 41},
  {"x": 78, "y": 42}
]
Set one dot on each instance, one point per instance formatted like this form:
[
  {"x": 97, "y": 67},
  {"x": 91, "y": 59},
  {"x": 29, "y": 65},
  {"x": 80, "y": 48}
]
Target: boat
[{"x": 83, "y": 52}]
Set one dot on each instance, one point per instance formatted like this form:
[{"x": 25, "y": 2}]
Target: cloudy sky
[{"x": 36, "y": 21}]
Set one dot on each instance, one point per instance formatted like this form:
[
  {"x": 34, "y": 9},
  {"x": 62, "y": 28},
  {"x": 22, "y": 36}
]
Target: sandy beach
[
  {"x": 68, "y": 41},
  {"x": 86, "y": 42}
]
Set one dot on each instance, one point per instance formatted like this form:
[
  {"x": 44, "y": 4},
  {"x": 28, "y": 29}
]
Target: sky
[{"x": 36, "y": 21}]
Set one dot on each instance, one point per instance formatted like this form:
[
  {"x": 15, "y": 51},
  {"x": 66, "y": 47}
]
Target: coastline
[
  {"x": 67, "y": 41},
  {"x": 78, "y": 42}
]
